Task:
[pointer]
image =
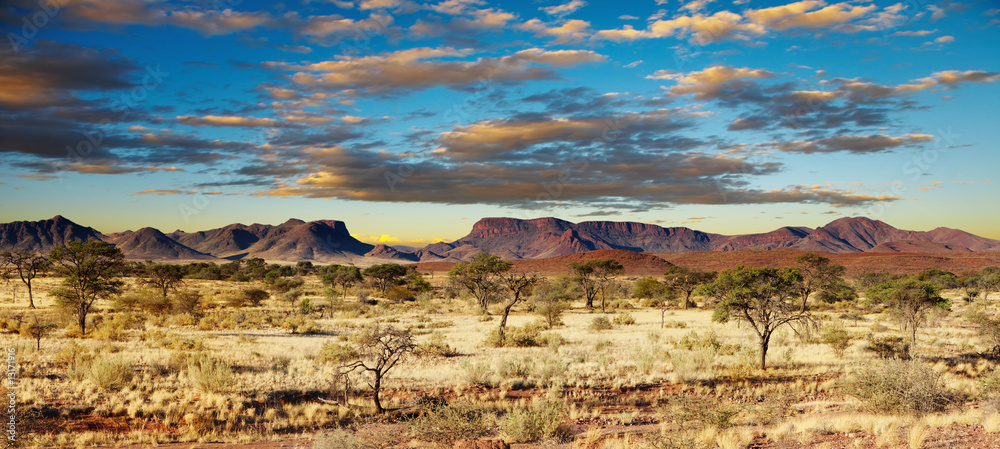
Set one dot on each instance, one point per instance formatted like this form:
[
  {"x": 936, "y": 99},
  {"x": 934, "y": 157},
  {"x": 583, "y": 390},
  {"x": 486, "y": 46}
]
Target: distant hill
[
  {"x": 513, "y": 238},
  {"x": 329, "y": 241},
  {"x": 151, "y": 244},
  {"x": 42, "y": 236}
]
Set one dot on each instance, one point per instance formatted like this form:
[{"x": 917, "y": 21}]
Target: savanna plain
[{"x": 485, "y": 355}]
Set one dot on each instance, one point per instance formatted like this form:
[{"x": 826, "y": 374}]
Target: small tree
[
  {"x": 37, "y": 330},
  {"x": 761, "y": 298},
  {"x": 91, "y": 271},
  {"x": 255, "y": 296},
  {"x": 27, "y": 265},
  {"x": 379, "y": 349},
  {"x": 518, "y": 284},
  {"x": 481, "y": 277},
  {"x": 341, "y": 275},
  {"x": 162, "y": 276},
  {"x": 550, "y": 299},
  {"x": 909, "y": 300},
  {"x": 385, "y": 275},
  {"x": 596, "y": 276},
  {"x": 685, "y": 281},
  {"x": 818, "y": 274}
]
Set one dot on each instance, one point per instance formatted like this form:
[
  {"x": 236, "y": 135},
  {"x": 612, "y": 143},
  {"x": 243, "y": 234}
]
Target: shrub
[
  {"x": 336, "y": 353},
  {"x": 541, "y": 420},
  {"x": 691, "y": 341},
  {"x": 478, "y": 374},
  {"x": 889, "y": 347},
  {"x": 436, "y": 346},
  {"x": 837, "y": 338},
  {"x": 898, "y": 386},
  {"x": 292, "y": 295},
  {"x": 706, "y": 410},
  {"x": 624, "y": 319},
  {"x": 600, "y": 323},
  {"x": 445, "y": 424},
  {"x": 187, "y": 301},
  {"x": 209, "y": 375},
  {"x": 526, "y": 336},
  {"x": 110, "y": 372},
  {"x": 254, "y": 296}
]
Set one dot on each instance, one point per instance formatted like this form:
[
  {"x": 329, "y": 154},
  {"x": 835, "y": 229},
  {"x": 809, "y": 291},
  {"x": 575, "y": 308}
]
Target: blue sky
[{"x": 412, "y": 120}]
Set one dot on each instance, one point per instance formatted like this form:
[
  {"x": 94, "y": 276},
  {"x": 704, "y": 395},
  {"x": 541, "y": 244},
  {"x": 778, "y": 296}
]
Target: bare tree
[
  {"x": 379, "y": 349},
  {"x": 27, "y": 265}
]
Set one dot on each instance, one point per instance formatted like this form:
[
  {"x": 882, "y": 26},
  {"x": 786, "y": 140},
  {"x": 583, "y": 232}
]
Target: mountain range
[{"x": 329, "y": 241}]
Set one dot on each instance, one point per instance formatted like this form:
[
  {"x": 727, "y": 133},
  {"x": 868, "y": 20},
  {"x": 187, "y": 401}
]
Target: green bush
[
  {"x": 436, "y": 346},
  {"x": 445, "y": 424},
  {"x": 526, "y": 336},
  {"x": 837, "y": 338},
  {"x": 898, "y": 386},
  {"x": 336, "y": 353}
]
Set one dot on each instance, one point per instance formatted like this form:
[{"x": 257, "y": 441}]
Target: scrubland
[{"x": 623, "y": 379}]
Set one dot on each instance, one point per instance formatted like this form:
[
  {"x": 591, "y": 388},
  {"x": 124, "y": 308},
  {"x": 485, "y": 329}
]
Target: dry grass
[{"x": 274, "y": 382}]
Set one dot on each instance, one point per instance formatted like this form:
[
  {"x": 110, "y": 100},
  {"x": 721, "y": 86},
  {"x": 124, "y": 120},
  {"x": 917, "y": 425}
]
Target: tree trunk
[
  {"x": 377, "y": 388},
  {"x": 31, "y": 300},
  {"x": 805, "y": 297},
  {"x": 687, "y": 299},
  {"x": 765, "y": 340},
  {"x": 503, "y": 322},
  {"x": 590, "y": 299},
  {"x": 82, "y": 320},
  {"x": 602, "y": 302},
  {"x": 663, "y": 317},
  {"x": 913, "y": 338}
]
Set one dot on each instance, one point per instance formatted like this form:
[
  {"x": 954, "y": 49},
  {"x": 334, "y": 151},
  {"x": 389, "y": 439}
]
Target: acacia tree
[
  {"x": 27, "y": 265},
  {"x": 162, "y": 276},
  {"x": 910, "y": 300},
  {"x": 385, "y": 275},
  {"x": 518, "y": 284},
  {"x": 379, "y": 349},
  {"x": 550, "y": 299},
  {"x": 481, "y": 277},
  {"x": 36, "y": 330},
  {"x": 686, "y": 281},
  {"x": 341, "y": 275},
  {"x": 583, "y": 275},
  {"x": 91, "y": 271},
  {"x": 595, "y": 276},
  {"x": 818, "y": 274},
  {"x": 760, "y": 298}
]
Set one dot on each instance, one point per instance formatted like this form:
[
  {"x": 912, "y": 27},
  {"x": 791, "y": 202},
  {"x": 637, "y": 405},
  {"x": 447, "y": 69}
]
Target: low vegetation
[{"x": 388, "y": 355}]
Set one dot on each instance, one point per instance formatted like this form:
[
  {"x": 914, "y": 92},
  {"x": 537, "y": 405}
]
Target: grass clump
[
  {"x": 210, "y": 375},
  {"x": 110, "y": 372},
  {"x": 601, "y": 323},
  {"x": 899, "y": 386}
]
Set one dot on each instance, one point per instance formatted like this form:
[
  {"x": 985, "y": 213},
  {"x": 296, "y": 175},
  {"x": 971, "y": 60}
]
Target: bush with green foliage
[
  {"x": 837, "y": 338},
  {"x": 601, "y": 323},
  {"x": 107, "y": 373}
]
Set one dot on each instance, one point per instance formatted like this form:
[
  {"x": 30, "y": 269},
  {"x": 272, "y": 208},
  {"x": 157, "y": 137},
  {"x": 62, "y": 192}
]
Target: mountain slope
[
  {"x": 151, "y": 244},
  {"x": 43, "y": 235}
]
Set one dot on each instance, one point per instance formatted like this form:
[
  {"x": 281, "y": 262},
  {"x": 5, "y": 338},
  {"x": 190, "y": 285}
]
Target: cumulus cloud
[
  {"x": 424, "y": 68},
  {"x": 92, "y": 13},
  {"x": 710, "y": 83},
  {"x": 570, "y": 31},
  {"x": 810, "y": 15}
]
